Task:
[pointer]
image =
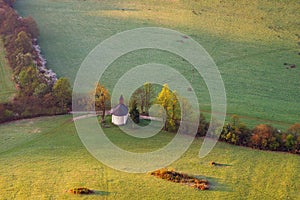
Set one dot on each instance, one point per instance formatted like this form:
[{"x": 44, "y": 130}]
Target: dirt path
[{"x": 83, "y": 116}]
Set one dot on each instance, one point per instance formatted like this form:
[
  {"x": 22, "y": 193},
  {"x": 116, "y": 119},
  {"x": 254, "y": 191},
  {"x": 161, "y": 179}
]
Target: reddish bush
[{"x": 177, "y": 177}]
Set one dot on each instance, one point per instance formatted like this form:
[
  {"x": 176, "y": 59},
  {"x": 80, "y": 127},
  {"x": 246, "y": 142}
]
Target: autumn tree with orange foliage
[
  {"x": 102, "y": 99},
  {"x": 262, "y": 136}
]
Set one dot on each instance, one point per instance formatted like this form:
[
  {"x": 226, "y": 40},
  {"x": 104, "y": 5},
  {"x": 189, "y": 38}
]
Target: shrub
[
  {"x": 81, "y": 190},
  {"x": 177, "y": 177}
]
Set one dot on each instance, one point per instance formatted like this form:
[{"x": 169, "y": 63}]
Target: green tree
[
  {"x": 41, "y": 90},
  {"x": 23, "y": 43},
  {"x": 149, "y": 93},
  {"x": 63, "y": 94},
  {"x": 236, "y": 132},
  {"x": 144, "y": 97},
  {"x": 139, "y": 97},
  {"x": 290, "y": 142},
  {"x": 134, "y": 112},
  {"x": 22, "y": 61},
  {"x": 28, "y": 80}
]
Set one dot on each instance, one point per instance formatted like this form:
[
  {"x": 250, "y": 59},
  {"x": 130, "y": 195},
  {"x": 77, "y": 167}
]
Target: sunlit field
[
  {"x": 253, "y": 43},
  {"x": 42, "y": 158}
]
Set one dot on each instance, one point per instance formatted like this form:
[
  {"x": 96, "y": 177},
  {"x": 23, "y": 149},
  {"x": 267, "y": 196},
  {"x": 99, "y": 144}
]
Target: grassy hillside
[
  {"x": 249, "y": 41},
  {"x": 41, "y": 158},
  {"x": 7, "y": 88}
]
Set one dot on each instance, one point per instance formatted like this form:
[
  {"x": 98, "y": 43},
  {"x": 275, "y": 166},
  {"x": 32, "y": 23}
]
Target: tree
[
  {"x": 236, "y": 132},
  {"x": 149, "y": 93},
  {"x": 63, "y": 94},
  {"x": 168, "y": 100},
  {"x": 294, "y": 129},
  {"x": 139, "y": 97},
  {"x": 9, "y": 21},
  {"x": 28, "y": 80},
  {"x": 262, "y": 136},
  {"x": 49, "y": 102},
  {"x": 276, "y": 142},
  {"x": 23, "y": 43},
  {"x": 10, "y": 2},
  {"x": 144, "y": 97},
  {"x": 290, "y": 142},
  {"x": 22, "y": 61},
  {"x": 164, "y": 99},
  {"x": 292, "y": 138},
  {"x": 134, "y": 112},
  {"x": 102, "y": 99},
  {"x": 41, "y": 90},
  {"x": 31, "y": 27}
]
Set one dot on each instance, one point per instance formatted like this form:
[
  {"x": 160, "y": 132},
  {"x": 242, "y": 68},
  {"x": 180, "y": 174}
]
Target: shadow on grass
[
  {"x": 215, "y": 184},
  {"x": 100, "y": 193},
  {"x": 222, "y": 165}
]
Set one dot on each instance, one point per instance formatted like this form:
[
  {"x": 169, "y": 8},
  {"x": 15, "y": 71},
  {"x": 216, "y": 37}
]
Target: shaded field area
[
  {"x": 42, "y": 158},
  {"x": 7, "y": 88},
  {"x": 253, "y": 45}
]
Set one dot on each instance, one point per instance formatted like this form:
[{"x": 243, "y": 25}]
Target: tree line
[
  {"x": 263, "y": 136},
  {"x": 38, "y": 90}
]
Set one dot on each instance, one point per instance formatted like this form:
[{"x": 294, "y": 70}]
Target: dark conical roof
[{"x": 120, "y": 110}]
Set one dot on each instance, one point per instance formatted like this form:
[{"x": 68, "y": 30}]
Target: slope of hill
[
  {"x": 7, "y": 88},
  {"x": 41, "y": 158},
  {"x": 249, "y": 41}
]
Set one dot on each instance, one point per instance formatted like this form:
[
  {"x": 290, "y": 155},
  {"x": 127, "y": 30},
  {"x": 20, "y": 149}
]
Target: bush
[
  {"x": 177, "y": 177},
  {"x": 81, "y": 190}
]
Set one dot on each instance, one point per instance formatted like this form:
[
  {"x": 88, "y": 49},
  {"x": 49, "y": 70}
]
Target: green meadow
[
  {"x": 7, "y": 88},
  {"x": 42, "y": 158},
  {"x": 253, "y": 44},
  {"x": 249, "y": 41}
]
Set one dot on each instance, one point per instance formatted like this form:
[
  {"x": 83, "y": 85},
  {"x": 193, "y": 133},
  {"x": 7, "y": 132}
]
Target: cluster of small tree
[
  {"x": 263, "y": 136},
  {"x": 143, "y": 98},
  {"x": 141, "y": 101},
  {"x": 37, "y": 92}
]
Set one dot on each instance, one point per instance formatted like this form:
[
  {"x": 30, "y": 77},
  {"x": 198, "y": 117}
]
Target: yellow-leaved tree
[{"x": 168, "y": 100}]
